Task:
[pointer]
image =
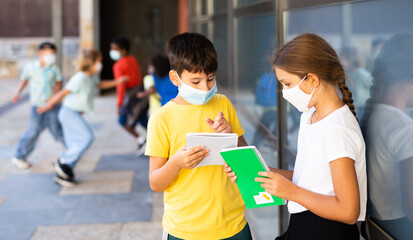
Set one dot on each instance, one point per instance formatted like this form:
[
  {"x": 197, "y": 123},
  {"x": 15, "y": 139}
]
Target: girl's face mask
[
  {"x": 196, "y": 96},
  {"x": 297, "y": 97}
]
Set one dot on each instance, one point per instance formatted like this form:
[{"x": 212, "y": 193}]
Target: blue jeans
[
  {"x": 37, "y": 123},
  {"x": 77, "y": 133}
]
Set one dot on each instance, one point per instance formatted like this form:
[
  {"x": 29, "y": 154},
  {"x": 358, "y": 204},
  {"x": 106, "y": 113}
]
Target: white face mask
[
  {"x": 98, "y": 67},
  {"x": 196, "y": 96},
  {"x": 114, "y": 55},
  {"x": 49, "y": 59},
  {"x": 297, "y": 97}
]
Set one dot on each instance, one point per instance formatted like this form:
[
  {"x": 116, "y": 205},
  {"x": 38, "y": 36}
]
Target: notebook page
[{"x": 215, "y": 142}]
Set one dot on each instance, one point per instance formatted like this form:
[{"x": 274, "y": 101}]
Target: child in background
[
  {"x": 148, "y": 85},
  {"x": 130, "y": 109},
  {"x": 159, "y": 69},
  {"x": 78, "y": 99},
  {"x": 44, "y": 79},
  {"x": 200, "y": 203}
]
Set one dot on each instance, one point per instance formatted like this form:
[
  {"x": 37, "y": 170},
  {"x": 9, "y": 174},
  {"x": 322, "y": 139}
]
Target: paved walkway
[{"x": 112, "y": 201}]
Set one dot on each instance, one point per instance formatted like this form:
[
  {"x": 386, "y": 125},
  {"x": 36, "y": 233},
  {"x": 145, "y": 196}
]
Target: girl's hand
[
  {"x": 229, "y": 172},
  {"x": 41, "y": 110},
  {"x": 122, "y": 79},
  {"x": 15, "y": 98},
  {"x": 276, "y": 184},
  {"x": 189, "y": 158},
  {"x": 220, "y": 124}
]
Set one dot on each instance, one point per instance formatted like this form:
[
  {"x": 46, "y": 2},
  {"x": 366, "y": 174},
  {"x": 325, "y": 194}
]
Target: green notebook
[{"x": 246, "y": 162}]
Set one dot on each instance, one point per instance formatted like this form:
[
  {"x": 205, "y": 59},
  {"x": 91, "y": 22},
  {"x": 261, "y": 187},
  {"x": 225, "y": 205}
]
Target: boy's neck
[
  {"x": 42, "y": 62},
  {"x": 180, "y": 100}
]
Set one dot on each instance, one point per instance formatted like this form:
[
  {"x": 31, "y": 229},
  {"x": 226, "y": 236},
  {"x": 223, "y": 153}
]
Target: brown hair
[
  {"x": 87, "y": 58},
  {"x": 309, "y": 53}
]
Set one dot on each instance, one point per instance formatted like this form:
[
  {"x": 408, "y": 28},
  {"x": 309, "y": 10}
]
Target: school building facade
[{"x": 245, "y": 34}]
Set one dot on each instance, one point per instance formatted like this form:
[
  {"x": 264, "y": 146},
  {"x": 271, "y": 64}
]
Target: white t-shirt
[
  {"x": 336, "y": 136},
  {"x": 389, "y": 141}
]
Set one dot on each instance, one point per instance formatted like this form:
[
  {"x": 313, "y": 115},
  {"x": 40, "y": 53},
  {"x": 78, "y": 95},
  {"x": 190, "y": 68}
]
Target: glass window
[
  {"x": 254, "y": 43},
  {"x": 220, "y": 6},
  {"x": 239, "y": 3},
  {"x": 204, "y": 7},
  {"x": 192, "y": 7},
  {"x": 374, "y": 40},
  {"x": 220, "y": 43},
  {"x": 203, "y": 28}
]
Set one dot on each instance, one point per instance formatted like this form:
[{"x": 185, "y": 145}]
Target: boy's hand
[
  {"x": 141, "y": 94},
  {"x": 190, "y": 158},
  {"x": 229, "y": 172},
  {"x": 220, "y": 124}
]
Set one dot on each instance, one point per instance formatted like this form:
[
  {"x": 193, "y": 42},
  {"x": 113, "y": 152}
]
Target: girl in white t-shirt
[{"x": 327, "y": 190}]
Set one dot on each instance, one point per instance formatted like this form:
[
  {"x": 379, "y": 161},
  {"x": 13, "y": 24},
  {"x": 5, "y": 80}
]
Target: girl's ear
[
  {"x": 313, "y": 80},
  {"x": 174, "y": 78}
]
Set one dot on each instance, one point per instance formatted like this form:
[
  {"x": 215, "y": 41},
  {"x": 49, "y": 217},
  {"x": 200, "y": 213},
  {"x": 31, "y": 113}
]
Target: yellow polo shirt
[{"x": 201, "y": 203}]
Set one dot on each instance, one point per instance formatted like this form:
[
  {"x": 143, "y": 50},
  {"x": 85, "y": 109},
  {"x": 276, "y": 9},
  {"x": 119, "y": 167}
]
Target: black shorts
[{"x": 306, "y": 225}]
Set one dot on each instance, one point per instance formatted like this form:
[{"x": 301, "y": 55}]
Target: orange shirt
[{"x": 129, "y": 66}]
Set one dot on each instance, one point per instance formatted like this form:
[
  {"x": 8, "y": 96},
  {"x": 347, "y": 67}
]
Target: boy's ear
[{"x": 174, "y": 77}]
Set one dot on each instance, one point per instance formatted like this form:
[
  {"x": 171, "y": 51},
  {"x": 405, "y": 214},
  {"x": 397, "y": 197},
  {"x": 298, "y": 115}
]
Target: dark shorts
[
  {"x": 135, "y": 109},
  {"x": 307, "y": 225},
  {"x": 245, "y": 234},
  {"x": 129, "y": 120}
]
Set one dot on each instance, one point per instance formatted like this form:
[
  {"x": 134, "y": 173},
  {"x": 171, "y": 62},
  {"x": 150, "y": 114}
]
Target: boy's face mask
[
  {"x": 49, "y": 59},
  {"x": 297, "y": 97},
  {"x": 195, "y": 96},
  {"x": 114, "y": 55}
]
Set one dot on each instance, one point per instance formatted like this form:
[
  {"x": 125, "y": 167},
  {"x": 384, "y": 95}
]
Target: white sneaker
[
  {"x": 21, "y": 163},
  {"x": 140, "y": 150}
]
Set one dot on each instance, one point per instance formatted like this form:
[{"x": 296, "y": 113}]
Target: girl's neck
[
  {"x": 326, "y": 104},
  {"x": 88, "y": 73}
]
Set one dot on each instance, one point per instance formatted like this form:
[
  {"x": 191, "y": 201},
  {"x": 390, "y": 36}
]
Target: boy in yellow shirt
[{"x": 199, "y": 203}]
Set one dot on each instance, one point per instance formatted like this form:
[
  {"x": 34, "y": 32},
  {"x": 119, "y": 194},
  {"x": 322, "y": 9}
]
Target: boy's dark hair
[
  {"x": 161, "y": 64},
  {"x": 123, "y": 43},
  {"x": 47, "y": 45},
  {"x": 192, "y": 52}
]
